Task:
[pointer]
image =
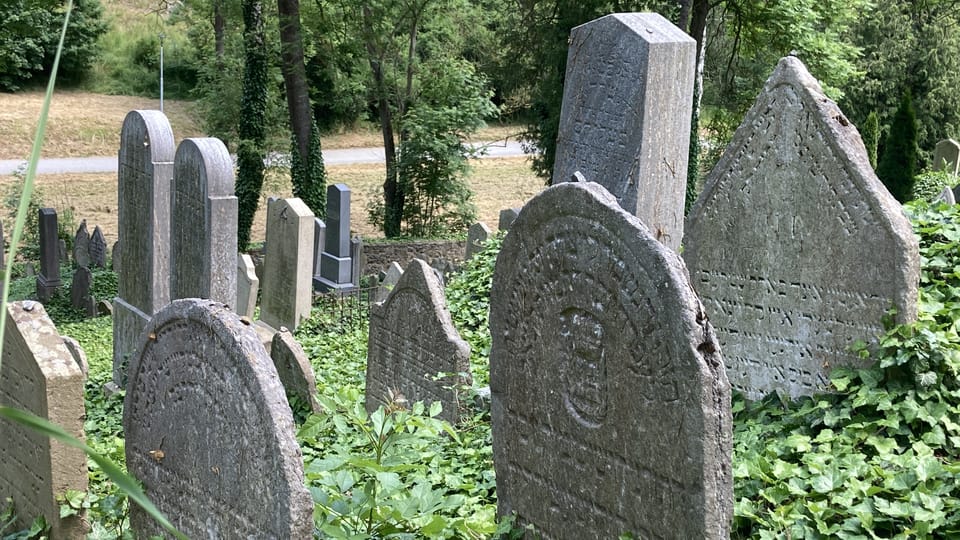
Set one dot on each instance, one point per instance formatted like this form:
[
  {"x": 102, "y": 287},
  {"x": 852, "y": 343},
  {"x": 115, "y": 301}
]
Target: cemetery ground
[{"x": 879, "y": 458}]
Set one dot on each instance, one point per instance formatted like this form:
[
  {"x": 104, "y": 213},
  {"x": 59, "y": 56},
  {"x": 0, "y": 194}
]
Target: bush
[
  {"x": 899, "y": 160},
  {"x": 927, "y": 186}
]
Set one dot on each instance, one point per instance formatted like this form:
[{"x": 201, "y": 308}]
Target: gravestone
[
  {"x": 80, "y": 291},
  {"x": 143, "y": 219},
  {"x": 414, "y": 350},
  {"x": 394, "y": 271},
  {"x": 625, "y": 119},
  {"x": 795, "y": 247},
  {"x": 81, "y": 246},
  {"x": 293, "y": 367},
  {"x": 287, "y": 292},
  {"x": 76, "y": 352},
  {"x": 203, "y": 244},
  {"x": 946, "y": 196},
  {"x": 39, "y": 375},
  {"x": 356, "y": 257},
  {"x": 98, "y": 248},
  {"x": 477, "y": 234},
  {"x": 507, "y": 216},
  {"x": 212, "y": 439},
  {"x": 115, "y": 257},
  {"x": 609, "y": 404},
  {"x": 248, "y": 285},
  {"x": 48, "y": 281},
  {"x": 335, "y": 264},
  {"x": 62, "y": 251},
  {"x": 946, "y": 156},
  {"x": 319, "y": 238}
]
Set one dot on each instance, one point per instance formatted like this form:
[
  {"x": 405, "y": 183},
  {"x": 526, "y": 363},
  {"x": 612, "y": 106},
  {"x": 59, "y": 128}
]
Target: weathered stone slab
[
  {"x": 412, "y": 341},
  {"x": 40, "y": 376},
  {"x": 390, "y": 280},
  {"x": 81, "y": 245},
  {"x": 356, "y": 258},
  {"x": 506, "y": 218},
  {"x": 477, "y": 234},
  {"x": 203, "y": 242},
  {"x": 319, "y": 239},
  {"x": 795, "y": 247},
  {"x": 287, "y": 284},
  {"x": 48, "y": 281},
  {"x": 208, "y": 430},
  {"x": 248, "y": 285},
  {"x": 946, "y": 156},
  {"x": 335, "y": 262},
  {"x": 98, "y": 248},
  {"x": 80, "y": 290},
  {"x": 115, "y": 257},
  {"x": 625, "y": 121},
  {"x": 946, "y": 196},
  {"x": 143, "y": 219},
  {"x": 293, "y": 367},
  {"x": 79, "y": 356},
  {"x": 610, "y": 406}
]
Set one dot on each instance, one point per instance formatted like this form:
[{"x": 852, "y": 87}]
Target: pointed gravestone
[
  {"x": 79, "y": 356},
  {"x": 394, "y": 271},
  {"x": 625, "y": 122},
  {"x": 212, "y": 440},
  {"x": 946, "y": 156},
  {"x": 506, "y": 218},
  {"x": 248, "y": 285},
  {"x": 795, "y": 247},
  {"x": 319, "y": 239},
  {"x": 946, "y": 196},
  {"x": 80, "y": 291},
  {"x": 203, "y": 244},
  {"x": 335, "y": 263},
  {"x": 477, "y": 234},
  {"x": 143, "y": 220},
  {"x": 293, "y": 367},
  {"x": 610, "y": 406},
  {"x": 48, "y": 281},
  {"x": 98, "y": 248},
  {"x": 414, "y": 351},
  {"x": 287, "y": 263},
  {"x": 39, "y": 375},
  {"x": 81, "y": 246}
]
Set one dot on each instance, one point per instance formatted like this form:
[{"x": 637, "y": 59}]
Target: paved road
[{"x": 347, "y": 156}]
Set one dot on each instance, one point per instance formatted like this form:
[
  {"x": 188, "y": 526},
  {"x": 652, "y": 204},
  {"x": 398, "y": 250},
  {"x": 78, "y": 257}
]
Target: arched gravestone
[
  {"x": 143, "y": 219},
  {"x": 795, "y": 247},
  {"x": 412, "y": 340},
  {"x": 203, "y": 209},
  {"x": 209, "y": 432},
  {"x": 610, "y": 406}
]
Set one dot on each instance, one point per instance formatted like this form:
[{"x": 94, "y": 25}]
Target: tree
[
  {"x": 870, "y": 132},
  {"x": 898, "y": 163},
  {"x": 252, "y": 119}
]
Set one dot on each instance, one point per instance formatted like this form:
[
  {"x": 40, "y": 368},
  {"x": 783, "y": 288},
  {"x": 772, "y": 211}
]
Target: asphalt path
[{"x": 346, "y": 156}]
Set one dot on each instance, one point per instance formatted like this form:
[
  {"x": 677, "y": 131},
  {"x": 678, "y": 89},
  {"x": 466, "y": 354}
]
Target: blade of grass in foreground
[{"x": 123, "y": 481}]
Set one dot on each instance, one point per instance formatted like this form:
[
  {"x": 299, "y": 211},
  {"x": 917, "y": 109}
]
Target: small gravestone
[
  {"x": 203, "y": 244},
  {"x": 507, "y": 216},
  {"x": 208, "y": 430},
  {"x": 477, "y": 235},
  {"x": 98, "y": 248},
  {"x": 40, "y": 376},
  {"x": 76, "y": 351},
  {"x": 49, "y": 279},
  {"x": 287, "y": 263},
  {"x": 946, "y": 156},
  {"x": 609, "y": 404},
  {"x": 394, "y": 271},
  {"x": 335, "y": 263},
  {"x": 248, "y": 285},
  {"x": 413, "y": 350},
  {"x": 62, "y": 250},
  {"x": 81, "y": 246},
  {"x": 80, "y": 291},
  {"x": 946, "y": 196},
  {"x": 795, "y": 247},
  {"x": 294, "y": 369},
  {"x": 29, "y": 270},
  {"x": 625, "y": 120},
  {"x": 356, "y": 256},
  {"x": 143, "y": 220},
  {"x": 115, "y": 257},
  {"x": 319, "y": 238}
]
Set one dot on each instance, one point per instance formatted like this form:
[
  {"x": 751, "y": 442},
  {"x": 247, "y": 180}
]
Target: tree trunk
[{"x": 295, "y": 74}]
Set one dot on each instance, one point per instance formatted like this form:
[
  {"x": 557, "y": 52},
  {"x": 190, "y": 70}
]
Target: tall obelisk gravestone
[
  {"x": 625, "y": 121},
  {"x": 145, "y": 175},
  {"x": 48, "y": 281},
  {"x": 335, "y": 262}
]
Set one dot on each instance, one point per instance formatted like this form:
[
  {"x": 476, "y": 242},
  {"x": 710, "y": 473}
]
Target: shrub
[
  {"x": 899, "y": 160},
  {"x": 927, "y": 186}
]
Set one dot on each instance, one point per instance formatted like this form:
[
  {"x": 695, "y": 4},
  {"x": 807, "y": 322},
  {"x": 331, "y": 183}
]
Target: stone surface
[
  {"x": 76, "y": 351},
  {"x": 795, "y": 247},
  {"x": 143, "y": 220},
  {"x": 625, "y": 119},
  {"x": 39, "y": 375},
  {"x": 507, "y": 216},
  {"x": 81, "y": 246},
  {"x": 98, "y": 248},
  {"x": 477, "y": 234},
  {"x": 62, "y": 251},
  {"x": 335, "y": 263},
  {"x": 248, "y": 285},
  {"x": 293, "y": 367},
  {"x": 356, "y": 260},
  {"x": 48, "y": 281},
  {"x": 610, "y": 407},
  {"x": 203, "y": 209},
  {"x": 208, "y": 430},
  {"x": 80, "y": 288},
  {"x": 412, "y": 341},
  {"x": 946, "y": 156},
  {"x": 394, "y": 271},
  {"x": 287, "y": 280},
  {"x": 946, "y": 196},
  {"x": 115, "y": 257},
  {"x": 319, "y": 239}
]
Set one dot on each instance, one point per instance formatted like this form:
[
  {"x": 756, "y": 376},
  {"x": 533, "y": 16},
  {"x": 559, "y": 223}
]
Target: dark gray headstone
[
  {"x": 81, "y": 246},
  {"x": 507, "y": 216},
  {"x": 319, "y": 240},
  {"x": 48, "y": 281},
  {"x": 293, "y": 367},
  {"x": 143, "y": 219},
  {"x": 212, "y": 440},
  {"x": 203, "y": 210},
  {"x": 609, "y": 403},
  {"x": 477, "y": 234},
  {"x": 414, "y": 350},
  {"x": 115, "y": 257},
  {"x": 946, "y": 156},
  {"x": 80, "y": 288},
  {"x": 286, "y": 282},
  {"x": 335, "y": 263},
  {"x": 98, "y": 248},
  {"x": 625, "y": 122},
  {"x": 795, "y": 247}
]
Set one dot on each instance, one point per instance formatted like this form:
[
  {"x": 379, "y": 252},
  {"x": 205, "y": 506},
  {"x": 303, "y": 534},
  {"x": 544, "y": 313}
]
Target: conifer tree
[{"x": 898, "y": 163}]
